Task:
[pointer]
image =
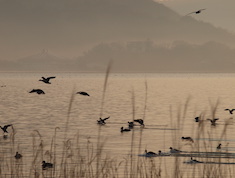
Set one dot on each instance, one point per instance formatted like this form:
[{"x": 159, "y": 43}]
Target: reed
[{"x": 89, "y": 161}]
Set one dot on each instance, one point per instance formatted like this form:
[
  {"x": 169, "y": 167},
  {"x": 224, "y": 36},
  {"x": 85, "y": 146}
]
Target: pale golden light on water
[{"x": 173, "y": 101}]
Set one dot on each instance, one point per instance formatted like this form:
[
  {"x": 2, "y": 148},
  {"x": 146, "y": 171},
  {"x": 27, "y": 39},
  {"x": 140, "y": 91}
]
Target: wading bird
[
  {"x": 83, "y": 93},
  {"x": 196, "y": 12},
  {"x": 46, "y": 80},
  {"x": 4, "y": 128},
  {"x": 38, "y": 91},
  {"x": 230, "y": 110}
]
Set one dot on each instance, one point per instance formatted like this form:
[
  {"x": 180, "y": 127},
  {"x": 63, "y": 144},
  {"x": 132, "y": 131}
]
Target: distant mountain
[
  {"x": 135, "y": 56},
  {"x": 80, "y": 27},
  {"x": 75, "y": 24},
  {"x": 146, "y": 56},
  {"x": 43, "y": 61}
]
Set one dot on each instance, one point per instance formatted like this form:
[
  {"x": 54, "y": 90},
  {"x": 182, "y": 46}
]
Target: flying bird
[
  {"x": 83, "y": 93},
  {"x": 196, "y": 12},
  {"x": 213, "y": 121},
  {"x": 102, "y": 121},
  {"x": 38, "y": 91},
  {"x": 46, "y": 165},
  {"x": 46, "y": 80},
  {"x": 230, "y": 110},
  {"x": 4, "y": 128}
]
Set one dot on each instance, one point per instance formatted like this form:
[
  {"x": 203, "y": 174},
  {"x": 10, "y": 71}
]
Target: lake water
[{"x": 168, "y": 103}]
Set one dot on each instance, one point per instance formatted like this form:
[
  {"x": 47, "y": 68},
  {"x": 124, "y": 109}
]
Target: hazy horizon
[{"x": 71, "y": 30}]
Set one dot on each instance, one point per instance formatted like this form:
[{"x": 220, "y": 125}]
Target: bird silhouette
[
  {"x": 197, "y": 119},
  {"x": 4, "y": 128},
  {"x": 38, "y": 91},
  {"x": 131, "y": 125},
  {"x": 18, "y": 155},
  {"x": 46, "y": 80},
  {"x": 150, "y": 153},
  {"x": 102, "y": 121},
  {"x": 188, "y": 139},
  {"x": 46, "y": 165},
  {"x": 173, "y": 150},
  {"x": 230, "y": 110},
  {"x": 140, "y": 121},
  {"x": 219, "y": 146},
  {"x": 213, "y": 121},
  {"x": 125, "y": 130},
  {"x": 192, "y": 161},
  {"x": 83, "y": 93},
  {"x": 196, "y": 12}
]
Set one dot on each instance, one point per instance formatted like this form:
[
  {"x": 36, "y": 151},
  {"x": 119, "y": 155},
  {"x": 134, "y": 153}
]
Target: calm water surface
[{"x": 168, "y": 96}]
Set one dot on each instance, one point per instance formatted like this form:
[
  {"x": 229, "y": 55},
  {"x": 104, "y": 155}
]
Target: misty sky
[
  {"x": 66, "y": 29},
  {"x": 220, "y": 13}
]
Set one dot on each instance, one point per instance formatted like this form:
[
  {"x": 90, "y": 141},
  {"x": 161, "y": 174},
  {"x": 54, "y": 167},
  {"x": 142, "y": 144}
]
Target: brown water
[{"x": 168, "y": 96}]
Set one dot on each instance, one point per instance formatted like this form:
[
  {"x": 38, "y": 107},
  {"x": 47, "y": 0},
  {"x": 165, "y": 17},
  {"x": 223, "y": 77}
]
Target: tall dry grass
[{"x": 88, "y": 161}]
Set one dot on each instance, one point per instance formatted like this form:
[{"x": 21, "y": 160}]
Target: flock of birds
[
  {"x": 131, "y": 125},
  {"x": 173, "y": 150},
  {"x": 47, "y": 81},
  {"x": 18, "y": 156}
]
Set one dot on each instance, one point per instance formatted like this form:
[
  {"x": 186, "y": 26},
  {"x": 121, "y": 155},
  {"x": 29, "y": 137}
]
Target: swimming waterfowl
[
  {"x": 140, "y": 121},
  {"x": 213, "y": 121},
  {"x": 83, "y": 93},
  {"x": 197, "y": 119},
  {"x": 125, "y": 130},
  {"x": 172, "y": 150},
  {"x": 46, "y": 165},
  {"x": 38, "y": 91},
  {"x": 193, "y": 161},
  {"x": 150, "y": 153},
  {"x": 46, "y": 80},
  {"x": 230, "y": 110},
  {"x": 196, "y": 12},
  {"x": 131, "y": 125},
  {"x": 187, "y": 138},
  {"x": 219, "y": 146},
  {"x": 18, "y": 155},
  {"x": 102, "y": 121},
  {"x": 160, "y": 153},
  {"x": 4, "y": 128}
]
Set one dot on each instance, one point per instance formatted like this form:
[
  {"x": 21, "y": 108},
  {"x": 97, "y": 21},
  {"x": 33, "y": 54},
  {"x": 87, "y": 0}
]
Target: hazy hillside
[
  {"x": 146, "y": 56},
  {"x": 70, "y": 27}
]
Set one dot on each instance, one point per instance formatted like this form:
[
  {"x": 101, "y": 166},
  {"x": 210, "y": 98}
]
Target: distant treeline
[{"x": 136, "y": 56}]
